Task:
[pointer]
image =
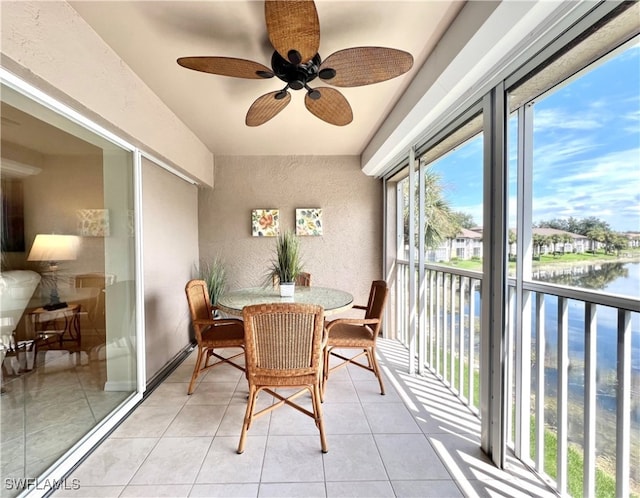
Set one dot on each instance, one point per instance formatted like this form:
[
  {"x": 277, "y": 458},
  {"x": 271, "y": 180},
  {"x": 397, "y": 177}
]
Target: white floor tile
[
  {"x": 241, "y": 490},
  {"x": 409, "y": 456},
  {"x": 293, "y": 459},
  {"x": 196, "y": 420},
  {"x": 379, "y": 414},
  {"x": 114, "y": 462},
  {"x": 353, "y": 458},
  {"x": 91, "y": 492},
  {"x": 360, "y": 489},
  {"x": 148, "y": 421},
  {"x": 157, "y": 491},
  {"x": 427, "y": 489},
  {"x": 174, "y": 460},
  {"x": 223, "y": 464},
  {"x": 345, "y": 418},
  {"x": 292, "y": 490}
]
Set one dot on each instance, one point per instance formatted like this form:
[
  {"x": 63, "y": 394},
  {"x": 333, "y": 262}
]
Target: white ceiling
[{"x": 149, "y": 36}]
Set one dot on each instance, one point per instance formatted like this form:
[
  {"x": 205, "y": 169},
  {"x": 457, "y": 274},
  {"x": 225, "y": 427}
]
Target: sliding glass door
[{"x": 68, "y": 341}]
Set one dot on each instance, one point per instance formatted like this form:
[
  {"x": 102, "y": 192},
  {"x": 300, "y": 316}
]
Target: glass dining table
[{"x": 332, "y": 300}]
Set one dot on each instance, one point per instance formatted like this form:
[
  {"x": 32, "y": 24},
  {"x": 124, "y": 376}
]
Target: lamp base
[{"x": 55, "y": 306}]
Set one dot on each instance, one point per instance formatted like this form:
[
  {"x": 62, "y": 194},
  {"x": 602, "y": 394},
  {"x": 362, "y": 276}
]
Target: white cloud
[
  {"x": 550, "y": 119},
  {"x": 607, "y": 187}
]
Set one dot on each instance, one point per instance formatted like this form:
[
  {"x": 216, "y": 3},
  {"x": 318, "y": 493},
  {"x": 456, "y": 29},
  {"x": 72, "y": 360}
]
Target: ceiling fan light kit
[{"x": 294, "y": 31}]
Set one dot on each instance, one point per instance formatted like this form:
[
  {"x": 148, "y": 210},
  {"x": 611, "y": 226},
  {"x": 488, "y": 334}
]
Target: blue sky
[{"x": 586, "y": 151}]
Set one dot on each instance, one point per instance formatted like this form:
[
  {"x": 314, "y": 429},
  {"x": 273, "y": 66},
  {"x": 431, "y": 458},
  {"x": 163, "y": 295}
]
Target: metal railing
[{"x": 563, "y": 400}]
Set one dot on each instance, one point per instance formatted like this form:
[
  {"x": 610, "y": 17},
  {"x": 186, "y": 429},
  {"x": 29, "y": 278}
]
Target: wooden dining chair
[
  {"x": 284, "y": 344},
  {"x": 358, "y": 333},
  {"x": 303, "y": 279},
  {"x": 211, "y": 333}
]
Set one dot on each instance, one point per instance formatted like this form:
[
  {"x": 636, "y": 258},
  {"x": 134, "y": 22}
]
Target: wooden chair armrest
[
  {"x": 352, "y": 321},
  {"x": 218, "y": 322},
  {"x": 227, "y": 321},
  {"x": 359, "y": 307}
]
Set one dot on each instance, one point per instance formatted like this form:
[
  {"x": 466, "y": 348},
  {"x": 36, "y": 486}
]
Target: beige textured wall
[
  {"x": 170, "y": 240},
  {"x": 348, "y": 256}
]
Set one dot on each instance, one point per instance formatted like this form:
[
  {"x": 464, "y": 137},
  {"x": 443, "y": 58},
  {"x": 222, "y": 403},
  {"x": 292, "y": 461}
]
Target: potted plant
[
  {"x": 286, "y": 265},
  {"x": 214, "y": 274}
]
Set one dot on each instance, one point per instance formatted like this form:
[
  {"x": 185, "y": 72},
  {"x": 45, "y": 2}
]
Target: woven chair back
[
  {"x": 198, "y": 299},
  {"x": 281, "y": 338},
  {"x": 377, "y": 299}
]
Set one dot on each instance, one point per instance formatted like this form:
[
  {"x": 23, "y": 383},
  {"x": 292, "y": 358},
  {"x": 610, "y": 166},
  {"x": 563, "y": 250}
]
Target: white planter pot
[{"x": 287, "y": 289}]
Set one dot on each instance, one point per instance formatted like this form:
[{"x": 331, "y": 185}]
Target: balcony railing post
[
  {"x": 452, "y": 330},
  {"x": 472, "y": 340},
  {"x": 623, "y": 409},
  {"x": 446, "y": 287},
  {"x": 461, "y": 351},
  {"x": 432, "y": 314},
  {"x": 540, "y": 391},
  {"x": 590, "y": 384},
  {"x": 563, "y": 393},
  {"x": 439, "y": 318}
]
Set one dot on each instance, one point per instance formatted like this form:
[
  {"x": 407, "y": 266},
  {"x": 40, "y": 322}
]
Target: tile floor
[{"x": 417, "y": 440}]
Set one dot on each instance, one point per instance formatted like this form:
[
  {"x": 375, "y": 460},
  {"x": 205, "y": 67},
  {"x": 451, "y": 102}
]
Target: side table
[{"x": 62, "y": 324}]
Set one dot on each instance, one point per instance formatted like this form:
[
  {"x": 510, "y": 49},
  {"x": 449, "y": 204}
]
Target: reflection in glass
[{"x": 65, "y": 367}]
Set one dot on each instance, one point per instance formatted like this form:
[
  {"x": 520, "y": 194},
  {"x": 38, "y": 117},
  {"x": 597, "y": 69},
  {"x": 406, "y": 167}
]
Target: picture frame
[
  {"x": 309, "y": 222},
  {"x": 265, "y": 222},
  {"x": 93, "y": 222}
]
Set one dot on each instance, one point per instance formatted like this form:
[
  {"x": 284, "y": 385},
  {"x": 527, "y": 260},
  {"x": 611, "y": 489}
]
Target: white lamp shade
[{"x": 54, "y": 248}]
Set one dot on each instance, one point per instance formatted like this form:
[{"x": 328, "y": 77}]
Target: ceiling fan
[{"x": 294, "y": 32}]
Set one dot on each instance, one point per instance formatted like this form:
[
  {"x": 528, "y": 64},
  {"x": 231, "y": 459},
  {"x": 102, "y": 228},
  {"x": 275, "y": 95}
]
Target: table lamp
[{"x": 54, "y": 248}]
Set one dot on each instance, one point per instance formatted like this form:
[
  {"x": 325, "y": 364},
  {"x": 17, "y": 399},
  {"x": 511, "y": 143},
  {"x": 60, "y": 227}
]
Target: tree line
[{"x": 597, "y": 231}]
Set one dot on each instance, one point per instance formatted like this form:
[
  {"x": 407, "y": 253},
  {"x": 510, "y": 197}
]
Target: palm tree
[
  {"x": 565, "y": 238},
  {"x": 441, "y": 222},
  {"x": 596, "y": 235},
  {"x": 538, "y": 242},
  {"x": 554, "y": 239}
]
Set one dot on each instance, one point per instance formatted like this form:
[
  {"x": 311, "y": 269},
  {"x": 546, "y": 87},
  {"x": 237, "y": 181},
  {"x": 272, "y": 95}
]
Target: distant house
[
  {"x": 633, "y": 238},
  {"x": 466, "y": 245}
]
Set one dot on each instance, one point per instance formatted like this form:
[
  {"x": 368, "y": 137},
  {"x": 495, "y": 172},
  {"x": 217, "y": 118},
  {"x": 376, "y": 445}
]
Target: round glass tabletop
[{"x": 332, "y": 300}]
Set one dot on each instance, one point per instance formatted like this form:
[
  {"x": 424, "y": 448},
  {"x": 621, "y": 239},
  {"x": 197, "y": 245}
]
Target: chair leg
[
  {"x": 317, "y": 412},
  {"x": 371, "y": 355},
  {"x": 247, "y": 417},
  {"x": 196, "y": 370},
  {"x": 325, "y": 371}
]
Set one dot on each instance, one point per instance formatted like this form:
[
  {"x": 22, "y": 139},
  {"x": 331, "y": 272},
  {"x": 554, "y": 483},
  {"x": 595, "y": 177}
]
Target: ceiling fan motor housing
[{"x": 295, "y": 75}]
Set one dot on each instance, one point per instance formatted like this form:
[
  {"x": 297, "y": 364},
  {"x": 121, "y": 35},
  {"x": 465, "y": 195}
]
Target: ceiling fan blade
[
  {"x": 227, "y": 66},
  {"x": 294, "y": 28},
  {"x": 360, "y": 66},
  {"x": 266, "y": 107},
  {"x": 330, "y": 106}
]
